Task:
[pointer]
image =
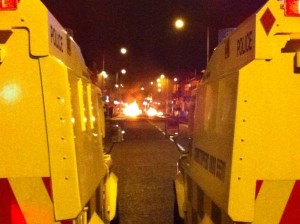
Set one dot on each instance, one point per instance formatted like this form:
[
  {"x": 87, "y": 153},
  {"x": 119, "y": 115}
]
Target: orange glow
[
  {"x": 160, "y": 113},
  {"x": 179, "y": 24},
  {"x": 151, "y": 112},
  {"x": 132, "y": 110}
]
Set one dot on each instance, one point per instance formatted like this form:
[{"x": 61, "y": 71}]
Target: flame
[
  {"x": 132, "y": 110},
  {"x": 160, "y": 113},
  {"x": 151, "y": 112}
]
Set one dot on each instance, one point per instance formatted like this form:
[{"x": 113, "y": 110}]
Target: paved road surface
[{"x": 145, "y": 164}]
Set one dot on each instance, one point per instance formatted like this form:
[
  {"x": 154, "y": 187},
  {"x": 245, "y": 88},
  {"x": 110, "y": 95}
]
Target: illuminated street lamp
[
  {"x": 163, "y": 85},
  {"x": 101, "y": 78},
  {"x": 123, "y": 50},
  {"x": 104, "y": 74},
  {"x": 123, "y": 71},
  {"x": 179, "y": 24}
]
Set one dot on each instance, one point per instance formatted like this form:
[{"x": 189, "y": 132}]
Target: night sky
[{"x": 145, "y": 28}]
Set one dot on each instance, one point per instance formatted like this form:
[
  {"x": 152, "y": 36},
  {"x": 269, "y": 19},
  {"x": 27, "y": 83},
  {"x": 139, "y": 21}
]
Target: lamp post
[
  {"x": 163, "y": 84},
  {"x": 103, "y": 75},
  {"x": 118, "y": 85}
]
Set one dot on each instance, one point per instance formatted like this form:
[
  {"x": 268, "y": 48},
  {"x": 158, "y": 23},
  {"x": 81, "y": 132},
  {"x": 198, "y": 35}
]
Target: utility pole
[{"x": 207, "y": 45}]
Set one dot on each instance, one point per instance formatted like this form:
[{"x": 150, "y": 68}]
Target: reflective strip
[
  {"x": 10, "y": 211},
  {"x": 47, "y": 183},
  {"x": 292, "y": 210},
  {"x": 288, "y": 205},
  {"x": 272, "y": 197},
  {"x": 280, "y": 198},
  {"x": 33, "y": 199},
  {"x": 258, "y": 186},
  {"x": 27, "y": 200}
]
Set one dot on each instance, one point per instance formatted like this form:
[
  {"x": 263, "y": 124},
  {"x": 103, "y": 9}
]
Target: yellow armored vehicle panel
[
  {"x": 246, "y": 125},
  {"x": 51, "y": 148}
]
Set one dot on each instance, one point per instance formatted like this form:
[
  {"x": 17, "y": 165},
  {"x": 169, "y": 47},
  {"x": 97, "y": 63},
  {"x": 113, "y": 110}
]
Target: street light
[
  {"x": 123, "y": 50},
  {"x": 179, "y": 24},
  {"x": 102, "y": 76},
  {"x": 123, "y": 71}
]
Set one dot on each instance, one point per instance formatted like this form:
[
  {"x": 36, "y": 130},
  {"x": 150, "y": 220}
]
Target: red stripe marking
[
  {"x": 66, "y": 222},
  {"x": 258, "y": 186},
  {"x": 292, "y": 210},
  {"x": 10, "y": 211},
  {"x": 47, "y": 183}
]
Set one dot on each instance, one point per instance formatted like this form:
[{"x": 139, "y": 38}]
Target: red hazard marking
[
  {"x": 47, "y": 183},
  {"x": 258, "y": 186},
  {"x": 267, "y": 21},
  {"x": 66, "y": 222},
  {"x": 292, "y": 210},
  {"x": 10, "y": 211}
]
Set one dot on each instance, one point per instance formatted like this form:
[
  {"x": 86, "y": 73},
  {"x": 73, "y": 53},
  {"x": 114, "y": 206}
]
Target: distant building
[{"x": 181, "y": 96}]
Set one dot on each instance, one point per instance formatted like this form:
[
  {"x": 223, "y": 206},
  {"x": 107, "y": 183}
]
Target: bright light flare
[
  {"x": 123, "y": 71},
  {"x": 123, "y": 50},
  {"x": 11, "y": 93},
  {"x": 179, "y": 24},
  {"x": 132, "y": 110},
  {"x": 104, "y": 74},
  {"x": 151, "y": 112},
  {"x": 160, "y": 113}
]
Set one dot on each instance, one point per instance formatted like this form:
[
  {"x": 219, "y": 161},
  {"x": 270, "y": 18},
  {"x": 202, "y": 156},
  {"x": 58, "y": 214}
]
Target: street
[{"x": 145, "y": 164}]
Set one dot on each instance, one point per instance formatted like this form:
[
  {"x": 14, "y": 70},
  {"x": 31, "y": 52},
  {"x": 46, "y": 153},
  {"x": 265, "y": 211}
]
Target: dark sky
[{"x": 145, "y": 28}]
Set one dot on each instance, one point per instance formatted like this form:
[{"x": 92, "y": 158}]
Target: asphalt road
[{"x": 145, "y": 164}]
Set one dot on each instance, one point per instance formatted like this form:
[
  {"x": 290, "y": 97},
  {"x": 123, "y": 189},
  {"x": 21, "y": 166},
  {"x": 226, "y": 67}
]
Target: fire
[
  {"x": 132, "y": 110},
  {"x": 151, "y": 112}
]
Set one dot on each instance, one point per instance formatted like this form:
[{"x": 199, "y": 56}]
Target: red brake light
[
  {"x": 292, "y": 7},
  {"x": 8, "y": 4}
]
